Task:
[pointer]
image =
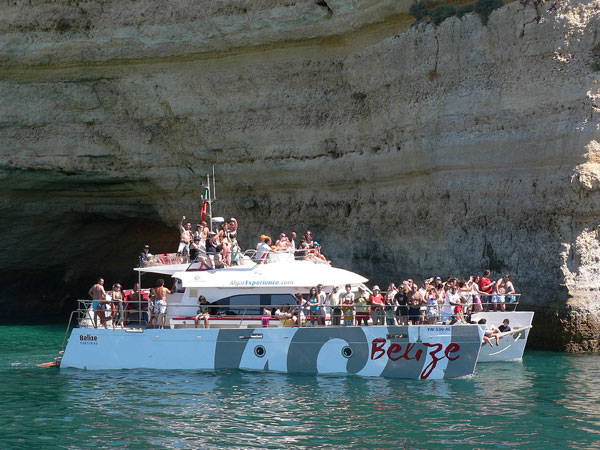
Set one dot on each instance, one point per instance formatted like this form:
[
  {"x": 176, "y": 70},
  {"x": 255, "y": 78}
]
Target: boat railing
[
  {"x": 134, "y": 311},
  {"x": 164, "y": 259},
  {"x": 137, "y": 312},
  {"x": 283, "y": 255}
]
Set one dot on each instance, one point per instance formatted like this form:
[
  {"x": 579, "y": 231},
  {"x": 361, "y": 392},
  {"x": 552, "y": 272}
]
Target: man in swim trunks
[
  {"x": 185, "y": 237},
  {"x": 503, "y": 287},
  {"x": 161, "y": 302},
  {"x": 98, "y": 295}
]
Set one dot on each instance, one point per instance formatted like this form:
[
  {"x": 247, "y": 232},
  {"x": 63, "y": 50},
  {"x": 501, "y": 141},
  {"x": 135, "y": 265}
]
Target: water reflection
[{"x": 549, "y": 400}]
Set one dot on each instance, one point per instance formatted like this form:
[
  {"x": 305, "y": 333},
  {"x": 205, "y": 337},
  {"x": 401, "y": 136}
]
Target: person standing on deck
[
  {"x": 185, "y": 237},
  {"x": 487, "y": 287},
  {"x": 347, "y": 300},
  {"x": 377, "y": 304},
  {"x": 98, "y": 295},
  {"x": 324, "y": 301},
  {"x": 161, "y": 302},
  {"x": 362, "y": 308},
  {"x": 504, "y": 287},
  {"x": 334, "y": 301},
  {"x": 118, "y": 299},
  {"x": 138, "y": 304}
]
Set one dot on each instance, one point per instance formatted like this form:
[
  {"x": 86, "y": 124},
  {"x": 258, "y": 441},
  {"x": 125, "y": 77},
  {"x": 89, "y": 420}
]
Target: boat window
[
  {"x": 282, "y": 299},
  {"x": 227, "y": 304},
  {"x": 244, "y": 300}
]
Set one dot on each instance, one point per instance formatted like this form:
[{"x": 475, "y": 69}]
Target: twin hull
[{"x": 416, "y": 352}]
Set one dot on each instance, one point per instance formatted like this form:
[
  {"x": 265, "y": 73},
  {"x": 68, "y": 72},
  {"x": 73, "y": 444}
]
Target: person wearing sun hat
[{"x": 377, "y": 304}]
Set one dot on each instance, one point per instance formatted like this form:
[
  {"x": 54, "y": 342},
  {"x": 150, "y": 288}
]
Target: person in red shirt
[
  {"x": 487, "y": 287},
  {"x": 377, "y": 304}
]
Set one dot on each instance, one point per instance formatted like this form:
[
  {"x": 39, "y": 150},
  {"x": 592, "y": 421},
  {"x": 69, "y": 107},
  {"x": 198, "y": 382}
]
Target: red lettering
[
  {"x": 452, "y": 348},
  {"x": 418, "y": 355},
  {"x": 434, "y": 360},
  {"x": 394, "y": 348},
  {"x": 377, "y": 348}
]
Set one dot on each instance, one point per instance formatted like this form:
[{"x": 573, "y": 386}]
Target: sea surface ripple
[{"x": 550, "y": 400}]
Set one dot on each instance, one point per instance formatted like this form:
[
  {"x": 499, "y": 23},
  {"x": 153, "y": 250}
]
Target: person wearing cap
[
  {"x": 146, "y": 256},
  {"x": 263, "y": 248},
  {"x": 334, "y": 301},
  {"x": 377, "y": 304}
]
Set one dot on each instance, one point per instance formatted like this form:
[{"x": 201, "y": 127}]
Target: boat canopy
[{"x": 293, "y": 274}]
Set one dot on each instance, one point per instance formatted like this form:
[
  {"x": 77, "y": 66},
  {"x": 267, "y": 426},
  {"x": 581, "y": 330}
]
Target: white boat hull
[
  {"x": 512, "y": 345},
  {"x": 417, "y": 352}
]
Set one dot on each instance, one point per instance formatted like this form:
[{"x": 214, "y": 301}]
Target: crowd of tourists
[
  {"x": 220, "y": 248},
  {"x": 434, "y": 301}
]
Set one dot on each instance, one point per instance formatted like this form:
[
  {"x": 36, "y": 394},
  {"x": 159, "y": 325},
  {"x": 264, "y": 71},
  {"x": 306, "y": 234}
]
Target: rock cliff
[{"x": 407, "y": 150}]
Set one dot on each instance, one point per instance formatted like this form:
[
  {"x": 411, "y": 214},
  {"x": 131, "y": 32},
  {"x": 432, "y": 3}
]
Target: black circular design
[
  {"x": 260, "y": 351},
  {"x": 346, "y": 352}
]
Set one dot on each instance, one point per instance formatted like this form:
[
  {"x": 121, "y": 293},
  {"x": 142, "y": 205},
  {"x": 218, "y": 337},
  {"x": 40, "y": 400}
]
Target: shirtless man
[
  {"x": 185, "y": 237},
  {"x": 98, "y": 295},
  {"x": 503, "y": 287},
  {"x": 161, "y": 302}
]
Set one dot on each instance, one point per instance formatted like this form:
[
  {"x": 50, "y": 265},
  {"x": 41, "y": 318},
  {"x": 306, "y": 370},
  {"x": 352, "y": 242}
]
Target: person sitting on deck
[
  {"x": 490, "y": 332},
  {"x": 146, "y": 258},
  {"x": 308, "y": 238},
  {"x": 195, "y": 249},
  {"x": 98, "y": 295},
  {"x": 504, "y": 328},
  {"x": 266, "y": 318},
  {"x": 285, "y": 316},
  {"x": 203, "y": 312}
]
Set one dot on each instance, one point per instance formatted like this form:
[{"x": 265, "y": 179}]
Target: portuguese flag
[{"x": 204, "y": 204}]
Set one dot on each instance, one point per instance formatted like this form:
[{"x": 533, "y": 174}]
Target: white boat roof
[
  {"x": 292, "y": 274},
  {"x": 167, "y": 269}
]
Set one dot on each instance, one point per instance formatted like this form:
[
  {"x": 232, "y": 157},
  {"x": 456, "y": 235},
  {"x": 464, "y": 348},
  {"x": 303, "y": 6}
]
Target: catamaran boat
[
  {"x": 237, "y": 336},
  {"x": 241, "y": 335}
]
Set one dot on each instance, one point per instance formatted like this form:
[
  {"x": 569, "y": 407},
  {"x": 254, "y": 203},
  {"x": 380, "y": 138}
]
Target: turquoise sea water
[{"x": 551, "y": 400}]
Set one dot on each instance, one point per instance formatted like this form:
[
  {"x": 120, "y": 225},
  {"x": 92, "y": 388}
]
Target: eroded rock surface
[{"x": 407, "y": 150}]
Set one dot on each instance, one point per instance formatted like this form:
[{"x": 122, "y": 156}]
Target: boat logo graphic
[
  {"x": 88, "y": 339},
  {"x": 261, "y": 283}
]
